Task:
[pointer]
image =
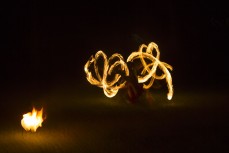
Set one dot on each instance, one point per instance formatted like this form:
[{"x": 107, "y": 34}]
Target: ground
[{"x": 191, "y": 122}]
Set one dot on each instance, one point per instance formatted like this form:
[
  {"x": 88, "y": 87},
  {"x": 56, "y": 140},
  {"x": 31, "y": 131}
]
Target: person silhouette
[{"x": 133, "y": 88}]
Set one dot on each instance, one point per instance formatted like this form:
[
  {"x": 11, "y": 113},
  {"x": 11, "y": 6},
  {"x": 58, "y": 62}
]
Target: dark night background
[{"x": 45, "y": 45}]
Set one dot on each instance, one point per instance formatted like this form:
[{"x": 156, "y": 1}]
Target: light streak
[
  {"x": 110, "y": 86},
  {"x": 148, "y": 73},
  {"x": 149, "y": 65}
]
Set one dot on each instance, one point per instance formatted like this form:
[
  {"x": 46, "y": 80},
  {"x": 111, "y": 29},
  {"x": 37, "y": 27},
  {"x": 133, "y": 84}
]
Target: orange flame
[
  {"x": 110, "y": 87},
  {"x": 32, "y": 120},
  {"x": 148, "y": 74}
]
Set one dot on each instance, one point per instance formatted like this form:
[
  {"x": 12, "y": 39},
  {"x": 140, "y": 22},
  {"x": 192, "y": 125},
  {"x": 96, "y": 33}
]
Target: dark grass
[{"x": 76, "y": 122}]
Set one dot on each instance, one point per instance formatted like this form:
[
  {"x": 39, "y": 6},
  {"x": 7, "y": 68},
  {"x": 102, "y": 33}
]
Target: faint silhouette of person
[{"x": 133, "y": 88}]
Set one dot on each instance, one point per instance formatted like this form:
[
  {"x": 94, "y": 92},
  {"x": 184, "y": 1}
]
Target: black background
[
  {"x": 45, "y": 42},
  {"x": 45, "y": 45}
]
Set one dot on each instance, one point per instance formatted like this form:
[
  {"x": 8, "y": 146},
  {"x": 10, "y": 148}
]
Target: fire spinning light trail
[
  {"x": 110, "y": 82},
  {"x": 148, "y": 73}
]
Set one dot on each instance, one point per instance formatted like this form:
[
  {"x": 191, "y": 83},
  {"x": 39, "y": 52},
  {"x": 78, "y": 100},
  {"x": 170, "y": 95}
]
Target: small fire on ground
[{"x": 32, "y": 120}]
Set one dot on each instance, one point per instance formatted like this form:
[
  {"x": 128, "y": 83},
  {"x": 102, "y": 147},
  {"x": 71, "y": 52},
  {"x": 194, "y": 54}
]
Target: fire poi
[
  {"x": 32, "y": 120},
  {"x": 147, "y": 74},
  {"x": 105, "y": 78}
]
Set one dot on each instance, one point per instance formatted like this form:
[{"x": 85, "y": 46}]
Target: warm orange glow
[
  {"x": 115, "y": 62},
  {"x": 148, "y": 73},
  {"x": 32, "y": 120}
]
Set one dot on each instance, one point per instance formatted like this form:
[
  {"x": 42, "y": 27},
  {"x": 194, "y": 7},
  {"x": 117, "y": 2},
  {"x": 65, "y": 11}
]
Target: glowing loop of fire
[
  {"x": 148, "y": 74},
  {"x": 150, "y": 65},
  {"x": 110, "y": 86},
  {"x": 32, "y": 120}
]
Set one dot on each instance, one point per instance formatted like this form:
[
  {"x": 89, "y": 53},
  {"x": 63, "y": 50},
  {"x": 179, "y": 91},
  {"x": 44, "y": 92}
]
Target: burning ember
[
  {"x": 147, "y": 74},
  {"x": 32, "y": 120}
]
